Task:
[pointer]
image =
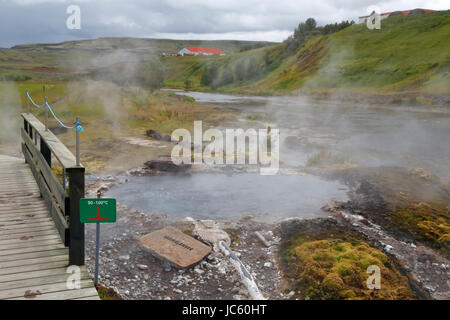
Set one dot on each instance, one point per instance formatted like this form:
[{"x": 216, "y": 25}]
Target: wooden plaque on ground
[{"x": 175, "y": 247}]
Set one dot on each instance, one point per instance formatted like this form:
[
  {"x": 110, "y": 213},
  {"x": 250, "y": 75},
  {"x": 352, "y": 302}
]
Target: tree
[
  {"x": 251, "y": 69},
  {"x": 239, "y": 70},
  {"x": 209, "y": 75},
  {"x": 310, "y": 24},
  {"x": 150, "y": 74},
  {"x": 187, "y": 83}
]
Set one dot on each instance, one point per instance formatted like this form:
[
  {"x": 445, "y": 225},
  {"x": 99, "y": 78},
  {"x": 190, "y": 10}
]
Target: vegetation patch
[
  {"x": 334, "y": 266},
  {"x": 107, "y": 293},
  {"x": 407, "y": 55},
  {"x": 107, "y": 112},
  {"x": 412, "y": 204},
  {"x": 326, "y": 158}
]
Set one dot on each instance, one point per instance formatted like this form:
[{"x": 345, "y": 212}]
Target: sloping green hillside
[
  {"x": 67, "y": 60},
  {"x": 408, "y": 54}
]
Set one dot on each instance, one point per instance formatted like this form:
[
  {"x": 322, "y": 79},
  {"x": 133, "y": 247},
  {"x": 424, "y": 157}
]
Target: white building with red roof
[
  {"x": 194, "y": 51},
  {"x": 385, "y": 15}
]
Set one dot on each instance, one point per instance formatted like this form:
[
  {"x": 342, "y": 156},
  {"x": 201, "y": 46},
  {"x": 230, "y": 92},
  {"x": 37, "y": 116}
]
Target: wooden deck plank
[
  {"x": 11, "y": 216},
  {"x": 28, "y": 292},
  {"x": 16, "y": 221},
  {"x": 63, "y": 295},
  {"x": 34, "y": 274},
  {"x": 27, "y": 234},
  {"x": 23, "y": 211},
  {"x": 19, "y": 245},
  {"x": 25, "y": 225},
  {"x": 96, "y": 297},
  {"x": 29, "y": 239},
  {"x": 18, "y": 208},
  {"x": 28, "y": 229},
  {"x": 33, "y": 258},
  {"x": 26, "y": 262},
  {"x": 32, "y": 249},
  {"x": 38, "y": 281},
  {"x": 34, "y": 254},
  {"x": 35, "y": 267}
]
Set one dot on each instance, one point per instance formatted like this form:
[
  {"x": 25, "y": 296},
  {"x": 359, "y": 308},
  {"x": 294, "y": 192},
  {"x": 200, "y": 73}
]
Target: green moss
[
  {"x": 107, "y": 293},
  {"x": 234, "y": 235},
  {"x": 333, "y": 268}
]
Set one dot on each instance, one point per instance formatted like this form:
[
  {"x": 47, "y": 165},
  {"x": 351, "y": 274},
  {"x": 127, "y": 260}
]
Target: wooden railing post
[
  {"x": 25, "y": 128},
  {"x": 46, "y": 152},
  {"x": 76, "y": 228}
]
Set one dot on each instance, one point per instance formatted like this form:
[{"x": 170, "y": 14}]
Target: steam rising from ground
[
  {"x": 10, "y": 118},
  {"x": 323, "y": 132}
]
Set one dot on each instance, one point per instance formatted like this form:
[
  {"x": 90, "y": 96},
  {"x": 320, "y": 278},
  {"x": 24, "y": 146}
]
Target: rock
[
  {"x": 165, "y": 163},
  {"x": 262, "y": 239},
  {"x": 166, "y": 267},
  {"x": 171, "y": 245},
  {"x": 124, "y": 258},
  {"x": 209, "y": 231},
  {"x": 198, "y": 271},
  {"x": 142, "y": 267},
  {"x": 157, "y": 136},
  {"x": 268, "y": 265}
]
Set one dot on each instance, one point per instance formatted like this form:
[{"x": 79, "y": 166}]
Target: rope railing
[
  {"x": 76, "y": 126},
  {"x": 77, "y": 123}
]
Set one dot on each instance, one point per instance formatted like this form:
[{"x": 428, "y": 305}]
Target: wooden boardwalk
[{"x": 33, "y": 259}]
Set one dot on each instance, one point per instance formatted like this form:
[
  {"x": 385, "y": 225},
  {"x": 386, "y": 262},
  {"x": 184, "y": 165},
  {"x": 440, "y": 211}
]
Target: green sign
[{"x": 97, "y": 210}]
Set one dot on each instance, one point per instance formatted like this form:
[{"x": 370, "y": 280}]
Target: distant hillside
[
  {"x": 408, "y": 54},
  {"x": 38, "y": 61}
]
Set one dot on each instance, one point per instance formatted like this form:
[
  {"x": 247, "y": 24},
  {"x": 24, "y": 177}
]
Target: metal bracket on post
[{"x": 77, "y": 119}]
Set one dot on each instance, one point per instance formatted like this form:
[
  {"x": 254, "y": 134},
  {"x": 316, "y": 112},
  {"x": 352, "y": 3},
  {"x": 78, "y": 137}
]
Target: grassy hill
[
  {"x": 408, "y": 54},
  {"x": 68, "y": 59}
]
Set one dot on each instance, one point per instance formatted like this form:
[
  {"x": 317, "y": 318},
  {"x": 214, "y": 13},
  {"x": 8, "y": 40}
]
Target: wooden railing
[{"x": 38, "y": 146}]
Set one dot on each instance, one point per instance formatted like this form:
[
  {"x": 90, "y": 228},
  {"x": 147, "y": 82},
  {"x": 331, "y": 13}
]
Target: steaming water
[
  {"x": 361, "y": 134},
  {"x": 221, "y": 196},
  {"x": 367, "y": 135}
]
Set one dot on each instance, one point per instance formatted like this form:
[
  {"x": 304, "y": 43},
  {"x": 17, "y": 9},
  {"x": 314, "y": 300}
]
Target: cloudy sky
[{"x": 31, "y": 21}]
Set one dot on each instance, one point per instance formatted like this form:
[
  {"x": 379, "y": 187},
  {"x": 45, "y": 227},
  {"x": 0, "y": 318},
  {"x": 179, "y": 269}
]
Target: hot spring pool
[{"x": 222, "y": 196}]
